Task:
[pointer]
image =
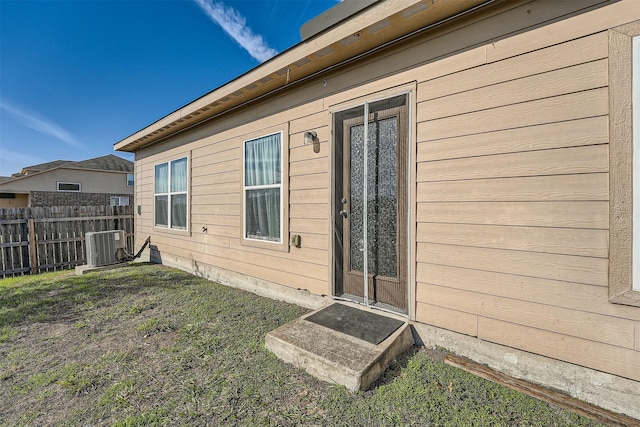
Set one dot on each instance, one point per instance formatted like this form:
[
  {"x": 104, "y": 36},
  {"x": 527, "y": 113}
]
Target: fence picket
[{"x": 11, "y": 251}]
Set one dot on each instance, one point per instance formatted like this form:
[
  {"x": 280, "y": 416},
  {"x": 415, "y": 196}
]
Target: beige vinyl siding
[
  {"x": 573, "y": 133},
  {"x": 569, "y": 268},
  {"x": 569, "y": 214},
  {"x": 215, "y": 193},
  {"x": 510, "y": 199},
  {"x": 617, "y": 360},
  {"x": 512, "y": 191}
]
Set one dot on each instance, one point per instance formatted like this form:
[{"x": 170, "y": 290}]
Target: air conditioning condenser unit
[{"x": 105, "y": 247}]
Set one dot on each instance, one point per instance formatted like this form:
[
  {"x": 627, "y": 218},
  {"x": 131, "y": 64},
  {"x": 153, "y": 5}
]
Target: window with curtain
[
  {"x": 263, "y": 188},
  {"x": 171, "y": 194}
]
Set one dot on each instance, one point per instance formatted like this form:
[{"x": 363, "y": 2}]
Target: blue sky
[{"x": 77, "y": 76}]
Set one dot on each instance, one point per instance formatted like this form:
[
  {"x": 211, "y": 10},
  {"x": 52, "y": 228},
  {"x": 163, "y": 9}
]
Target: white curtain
[
  {"x": 179, "y": 201},
  {"x": 165, "y": 199},
  {"x": 162, "y": 178},
  {"x": 179, "y": 175},
  {"x": 262, "y": 161},
  {"x": 161, "y": 186},
  {"x": 179, "y": 211},
  {"x": 263, "y": 170}
]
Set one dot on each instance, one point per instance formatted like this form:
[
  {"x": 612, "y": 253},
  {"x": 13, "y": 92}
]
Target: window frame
[
  {"x": 623, "y": 228},
  {"x": 79, "y": 184},
  {"x": 117, "y": 201},
  {"x": 283, "y": 244},
  {"x": 132, "y": 180},
  {"x": 169, "y": 194}
]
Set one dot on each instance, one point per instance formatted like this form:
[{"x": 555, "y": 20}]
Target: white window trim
[
  {"x": 119, "y": 201},
  {"x": 70, "y": 183},
  {"x": 280, "y": 186},
  {"x": 170, "y": 193}
]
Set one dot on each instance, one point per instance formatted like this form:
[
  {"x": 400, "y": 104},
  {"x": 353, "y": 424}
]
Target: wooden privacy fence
[{"x": 33, "y": 240}]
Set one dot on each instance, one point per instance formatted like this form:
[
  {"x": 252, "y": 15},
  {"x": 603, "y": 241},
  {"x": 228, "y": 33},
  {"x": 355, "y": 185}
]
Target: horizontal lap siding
[
  {"x": 564, "y": 241},
  {"x": 512, "y": 205},
  {"x": 595, "y": 327},
  {"x": 574, "y": 133},
  {"x": 216, "y": 193},
  {"x": 568, "y": 214},
  {"x": 309, "y": 190}
]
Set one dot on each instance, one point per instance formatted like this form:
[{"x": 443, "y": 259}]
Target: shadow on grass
[{"x": 395, "y": 369}]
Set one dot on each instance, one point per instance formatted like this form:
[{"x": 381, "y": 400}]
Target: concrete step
[{"x": 338, "y": 357}]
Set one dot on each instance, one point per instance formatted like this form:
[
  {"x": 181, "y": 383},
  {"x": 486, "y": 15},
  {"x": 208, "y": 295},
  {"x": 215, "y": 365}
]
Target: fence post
[{"x": 33, "y": 259}]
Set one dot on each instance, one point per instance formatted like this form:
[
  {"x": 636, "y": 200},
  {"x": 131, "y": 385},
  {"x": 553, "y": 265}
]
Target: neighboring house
[
  {"x": 100, "y": 181},
  {"x": 499, "y": 139}
]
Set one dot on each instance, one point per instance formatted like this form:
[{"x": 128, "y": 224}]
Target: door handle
[{"x": 343, "y": 213}]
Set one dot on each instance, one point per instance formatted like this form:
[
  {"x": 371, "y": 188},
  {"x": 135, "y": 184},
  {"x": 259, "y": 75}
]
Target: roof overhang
[{"x": 367, "y": 29}]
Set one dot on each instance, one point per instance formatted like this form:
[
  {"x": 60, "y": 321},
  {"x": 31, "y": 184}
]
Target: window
[
  {"x": 129, "y": 180},
  {"x": 171, "y": 194},
  {"x": 69, "y": 186},
  {"x": 262, "y": 190},
  {"x": 119, "y": 201},
  {"x": 624, "y": 176}
]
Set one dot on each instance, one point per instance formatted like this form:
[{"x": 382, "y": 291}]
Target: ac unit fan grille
[{"x": 102, "y": 247}]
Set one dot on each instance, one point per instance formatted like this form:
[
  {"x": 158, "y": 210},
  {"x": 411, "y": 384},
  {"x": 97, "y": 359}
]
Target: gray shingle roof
[{"x": 109, "y": 162}]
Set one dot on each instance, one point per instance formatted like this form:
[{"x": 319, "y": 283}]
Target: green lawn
[{"x": 149, "y": 345}]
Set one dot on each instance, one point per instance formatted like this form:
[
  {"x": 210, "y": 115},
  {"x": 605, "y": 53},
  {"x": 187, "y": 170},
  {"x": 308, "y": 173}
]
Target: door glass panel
[
  {"x": 381, "y": 200},
  {"x": 356, "y": 204},
  {"x": 381, "y": 197}
]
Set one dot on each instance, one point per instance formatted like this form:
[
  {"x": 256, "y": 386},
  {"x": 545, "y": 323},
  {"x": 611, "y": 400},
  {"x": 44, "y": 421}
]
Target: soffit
[{"x": 382, "y": 22}]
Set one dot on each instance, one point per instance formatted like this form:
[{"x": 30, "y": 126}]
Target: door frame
[{"x": 408, "y": 89}]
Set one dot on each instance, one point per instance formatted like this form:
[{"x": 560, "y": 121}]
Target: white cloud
[
  {"x": 40, "y": 124},
  {"x": 235, "y": 25}
]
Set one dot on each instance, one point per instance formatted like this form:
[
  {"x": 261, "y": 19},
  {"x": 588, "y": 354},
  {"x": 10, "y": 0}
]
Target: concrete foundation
[
  {"x": 607, "y": 391},
  {"x": 84, "y": 269}
]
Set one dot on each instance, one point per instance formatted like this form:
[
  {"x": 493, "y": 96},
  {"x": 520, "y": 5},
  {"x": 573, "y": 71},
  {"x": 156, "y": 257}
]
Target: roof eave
[{"x": 372, "y": 27}]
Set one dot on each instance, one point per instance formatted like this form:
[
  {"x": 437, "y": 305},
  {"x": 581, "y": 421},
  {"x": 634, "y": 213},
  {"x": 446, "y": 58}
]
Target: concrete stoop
[
  {"x": 85, "y": 269},
  {"x": 336, "y": 357}
]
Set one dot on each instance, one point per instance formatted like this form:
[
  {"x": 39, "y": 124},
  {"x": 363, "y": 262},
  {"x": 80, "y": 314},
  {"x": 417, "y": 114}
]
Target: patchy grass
[{"x": 148, "y": 345}]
